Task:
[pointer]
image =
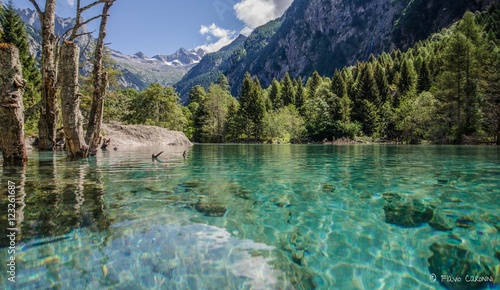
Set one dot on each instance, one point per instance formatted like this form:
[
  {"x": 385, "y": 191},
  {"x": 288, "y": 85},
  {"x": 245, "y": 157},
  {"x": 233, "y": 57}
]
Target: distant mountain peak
[{"x": 140, "y": 54}]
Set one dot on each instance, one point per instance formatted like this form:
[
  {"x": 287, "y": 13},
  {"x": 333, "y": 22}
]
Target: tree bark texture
[
  {"x": 11, "y": 106},
  {"x": 100, "y": 80},
  {"x": 70, "y": 99},
  {"x": 49, "y": 110}
]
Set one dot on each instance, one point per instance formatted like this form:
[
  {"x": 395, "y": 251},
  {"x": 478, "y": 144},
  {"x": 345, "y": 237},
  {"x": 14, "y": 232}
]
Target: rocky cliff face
[{"x": 324, "y": 35}]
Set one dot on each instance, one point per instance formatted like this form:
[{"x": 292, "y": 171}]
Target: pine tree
[
  {"x": 14, "y": 32},
  {"x": 223, "y": 82},
  {"x": 196, "y": 101},
  {"x": 472, "y": 32},
  {"x": 313, "y": 84},
  {"x": 367, "y": 100},
  {"x": 300, "y": 97},
  {"x": 367, "y": 86},
  {"x": 196, "y": 95},
  {"x": 339, "y": 86},
  {"x": 275, "y": 94},
  {"x": 408, "y": 81},
  {"x": 384, "y": 90},
  {"x": 245, "y": 104},
  {"x": 287, "y": 90},
  {"x": 424, "y": 78},
  {"x": 256, "y": 108},
  {"x": 455, "y": 57}
]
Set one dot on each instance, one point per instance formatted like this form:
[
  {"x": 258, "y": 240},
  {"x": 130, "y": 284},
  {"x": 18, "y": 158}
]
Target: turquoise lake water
[{"x": 247, "y": 217}]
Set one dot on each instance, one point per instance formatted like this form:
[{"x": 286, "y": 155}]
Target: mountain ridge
[
  {"x": 137, "y": 71},
  {"x": 324, "y": 35}
]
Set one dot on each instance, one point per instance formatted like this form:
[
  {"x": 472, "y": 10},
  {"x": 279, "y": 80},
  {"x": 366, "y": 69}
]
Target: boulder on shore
[{"x": 139, "y": 135}]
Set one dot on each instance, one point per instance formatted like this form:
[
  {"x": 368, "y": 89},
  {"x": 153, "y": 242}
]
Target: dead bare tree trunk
[
  {"x": 11, "y": 106},
  {"x": 100, "y": 80},
  {"x": 70, "y": 99},
  {"x": 48, "y": 111}
]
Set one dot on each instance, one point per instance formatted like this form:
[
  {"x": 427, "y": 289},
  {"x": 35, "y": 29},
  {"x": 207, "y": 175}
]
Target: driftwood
[
  {"x": 11, "y": 106},
  {"x": 154, "y": 156}
]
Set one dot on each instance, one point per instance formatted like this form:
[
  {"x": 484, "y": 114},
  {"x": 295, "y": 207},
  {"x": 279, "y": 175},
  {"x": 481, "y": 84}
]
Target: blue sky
[{"x": 163, "y": 26}]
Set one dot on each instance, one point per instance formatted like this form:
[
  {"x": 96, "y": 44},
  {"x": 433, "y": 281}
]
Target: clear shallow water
[{"x": 245, "y": 216}]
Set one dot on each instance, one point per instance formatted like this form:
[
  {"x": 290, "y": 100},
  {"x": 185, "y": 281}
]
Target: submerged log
[
  {"x": 11, "y": 106},
  {"x": 70, "y": 99}
]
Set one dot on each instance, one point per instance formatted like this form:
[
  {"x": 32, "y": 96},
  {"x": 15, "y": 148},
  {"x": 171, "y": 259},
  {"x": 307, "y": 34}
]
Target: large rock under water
[{"x": 406, "y": 211}]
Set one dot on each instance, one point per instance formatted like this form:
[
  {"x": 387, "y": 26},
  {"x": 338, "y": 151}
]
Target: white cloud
[
  {"x": 258, "y": 12},
  {"x": 71, "y": 3},
  {"x": 223, "y": 36},
  {"x": 246, "y": 31}
]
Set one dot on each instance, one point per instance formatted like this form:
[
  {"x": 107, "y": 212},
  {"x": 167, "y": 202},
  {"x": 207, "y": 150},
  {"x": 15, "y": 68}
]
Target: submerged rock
[
  {"x": 243, "y": 193},
  {"x": 298, "y": 257},
  {"x": 211, "y": 208},
  {"x": 492, "y": 220},
  {"x": 442, "y": 181},
  {"x": 283, "y": 200},
  {"x": 191, "y": 184},
  {"x": 328, "y": 188},
  {"x": 441, "y": 222},
  {"x": 466, "y": 222},
  {"x": 406, "y": 211},
  {"x": 458, "y": 268}
]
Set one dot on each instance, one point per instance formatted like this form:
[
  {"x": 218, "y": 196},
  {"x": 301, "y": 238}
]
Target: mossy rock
[
  {"x": 328, "y": 188},
  {"x": 211, "y": 208},
  {"x": 441, "y": 222},
  {"x": 406, "y": 211},
  {"x": 298, "y": 257}
]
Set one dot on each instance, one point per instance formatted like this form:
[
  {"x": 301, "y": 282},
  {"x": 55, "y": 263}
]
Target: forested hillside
[
  {"x": 443, "y": 90},
  {"x": 323, "y": 36}
]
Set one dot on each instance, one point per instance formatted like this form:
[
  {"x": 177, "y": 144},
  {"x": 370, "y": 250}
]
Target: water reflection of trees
[
  {"x": 16, "y": 174},
  {"x": 55, "y": 196}
]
